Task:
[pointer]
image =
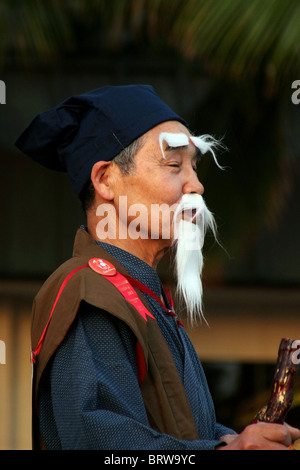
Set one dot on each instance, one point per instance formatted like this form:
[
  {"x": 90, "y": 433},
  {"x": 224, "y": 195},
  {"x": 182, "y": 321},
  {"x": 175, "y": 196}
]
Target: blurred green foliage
[{"x": 248, "y": 50}]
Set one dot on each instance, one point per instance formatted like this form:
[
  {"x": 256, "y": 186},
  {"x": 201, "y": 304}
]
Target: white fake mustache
[{"x": 192, "y": 208}]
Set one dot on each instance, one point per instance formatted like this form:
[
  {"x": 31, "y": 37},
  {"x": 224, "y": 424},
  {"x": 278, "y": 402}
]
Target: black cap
[{"x": 94, "y": 126}]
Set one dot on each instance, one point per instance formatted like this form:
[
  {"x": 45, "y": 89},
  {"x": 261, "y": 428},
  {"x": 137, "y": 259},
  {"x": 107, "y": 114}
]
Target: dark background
[{"x": 227, "y": 67}]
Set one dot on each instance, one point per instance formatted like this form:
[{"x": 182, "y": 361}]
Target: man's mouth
[{"x": 189, "y": 215}]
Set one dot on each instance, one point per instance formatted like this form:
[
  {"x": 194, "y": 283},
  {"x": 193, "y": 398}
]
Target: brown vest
[{"x": 163, "y": 393}]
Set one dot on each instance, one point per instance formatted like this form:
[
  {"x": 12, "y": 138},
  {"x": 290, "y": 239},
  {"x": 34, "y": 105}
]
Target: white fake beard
[{"x": 188, "y": 242}]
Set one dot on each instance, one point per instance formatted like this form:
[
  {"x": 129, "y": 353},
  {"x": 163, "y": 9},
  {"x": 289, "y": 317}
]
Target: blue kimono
[{"x": 89, "y": 395}]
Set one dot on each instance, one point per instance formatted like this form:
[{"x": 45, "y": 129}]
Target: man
[{"x": 113, "y": 365}]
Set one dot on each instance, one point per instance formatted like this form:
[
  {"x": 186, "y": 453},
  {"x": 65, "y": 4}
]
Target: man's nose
[{"x": 193, "y": 185}]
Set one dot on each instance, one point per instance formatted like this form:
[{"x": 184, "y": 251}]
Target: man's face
[
  {"x": 164, "y": 206},
  {"x": 158, "y": 182}
]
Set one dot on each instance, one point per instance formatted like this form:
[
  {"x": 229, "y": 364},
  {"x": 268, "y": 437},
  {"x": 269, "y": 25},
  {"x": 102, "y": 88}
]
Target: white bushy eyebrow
[
  {"x": 205, "y": 143},
  {"x": 173, "y": 140}
]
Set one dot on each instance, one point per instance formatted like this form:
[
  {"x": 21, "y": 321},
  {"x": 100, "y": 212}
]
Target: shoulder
[{"x": 61, "y": 296}]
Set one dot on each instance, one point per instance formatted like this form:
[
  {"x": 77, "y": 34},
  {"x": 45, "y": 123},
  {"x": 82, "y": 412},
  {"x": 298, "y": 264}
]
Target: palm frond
[
  {"x": 235, "y": 37},
  {"x": 240, "y": 38}
]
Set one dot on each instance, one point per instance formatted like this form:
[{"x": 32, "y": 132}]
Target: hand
[{"x": 263, "y": 436}]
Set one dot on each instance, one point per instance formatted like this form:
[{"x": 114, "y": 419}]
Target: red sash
[{"x": 121, "y": 282}]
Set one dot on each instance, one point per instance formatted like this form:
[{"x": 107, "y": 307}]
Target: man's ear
[{"x": 101, "y": 179}]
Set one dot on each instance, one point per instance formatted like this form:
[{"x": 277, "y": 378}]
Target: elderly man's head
[
  {"x": 150, "y": 197},
  {"x": 132, "y": 161}
]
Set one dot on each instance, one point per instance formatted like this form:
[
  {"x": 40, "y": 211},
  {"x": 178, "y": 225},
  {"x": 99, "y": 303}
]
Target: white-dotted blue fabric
[{"x": 89, "y": 396}]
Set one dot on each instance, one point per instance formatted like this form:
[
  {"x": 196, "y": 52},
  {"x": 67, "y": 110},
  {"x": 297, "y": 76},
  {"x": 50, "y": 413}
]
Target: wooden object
[{"x": 283, "y": 384}]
